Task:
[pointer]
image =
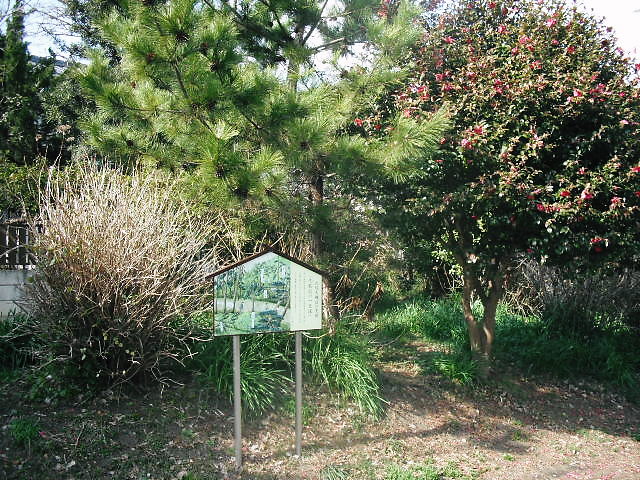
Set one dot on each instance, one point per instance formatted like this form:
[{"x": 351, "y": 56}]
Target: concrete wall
[{"x": 11, "y": 283}]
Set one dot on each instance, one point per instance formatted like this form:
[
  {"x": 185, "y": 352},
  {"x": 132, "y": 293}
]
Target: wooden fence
[{"x": 14, "y": 241}]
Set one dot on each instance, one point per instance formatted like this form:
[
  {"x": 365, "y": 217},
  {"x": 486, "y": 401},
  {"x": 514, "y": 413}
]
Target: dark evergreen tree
[{"x": 25, "y": 132}]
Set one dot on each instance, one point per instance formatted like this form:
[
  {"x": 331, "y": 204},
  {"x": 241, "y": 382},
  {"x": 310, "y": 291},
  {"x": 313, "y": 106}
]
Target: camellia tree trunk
[
  {"x": 482, "y": 330},
  {"x": 483, "y": 278}
]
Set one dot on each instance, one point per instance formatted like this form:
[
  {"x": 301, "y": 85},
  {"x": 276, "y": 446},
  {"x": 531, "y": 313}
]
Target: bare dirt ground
[{"x": 514, "y": 429}]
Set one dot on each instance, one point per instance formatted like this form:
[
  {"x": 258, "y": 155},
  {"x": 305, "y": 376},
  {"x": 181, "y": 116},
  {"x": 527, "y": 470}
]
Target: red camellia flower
[
  {"x": 478, "y": 130},
  {"x": 537, "y": 65},
  {"x": 596, "y": 240},
  {"x": 550, "y": 22},
  {"x": 377, "y": 126},
  {"x": 637, "y": 194},
  {"x": 585, "y": 195},
  {"x": 502, "y": 29},
  {"x": 540, "y": 207},
  {"x": 439, "y": 77},
  {"x": 449, "y": 39},
  {"x": 582, "y": 171},
  {"x": 571, "y": 49},
  {"x": 358, "y": 122},
  {"x": 615, "y": 202},
  {"x": 524, "y": 40},
  {"x": 492, "y": 4},
  {"x": 635, "y": 169},
  {"x": 466, "y": 144},
  {"x": 565, "y": 193}
]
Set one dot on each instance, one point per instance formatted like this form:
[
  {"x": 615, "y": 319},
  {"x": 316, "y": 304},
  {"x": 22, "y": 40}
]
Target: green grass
[
  {"x": 340, "y": 361},
  {"x": 599, "y": 346},
  {"x": 425, "y": 471},
  {"x": 333, "y": 472},
  {"x": 15, "y": 343},
  {"x": 24, "y": 432}
]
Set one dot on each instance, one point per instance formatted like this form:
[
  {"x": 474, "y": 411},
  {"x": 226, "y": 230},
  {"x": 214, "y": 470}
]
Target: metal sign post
[
  {"x": 268, "y": 292},
  {"x": 298, "y": 393},
  {"x": 237, "y": 403}
]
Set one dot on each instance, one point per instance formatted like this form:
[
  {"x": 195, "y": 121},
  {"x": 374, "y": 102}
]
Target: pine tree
[{"x": 194, "y": 92}]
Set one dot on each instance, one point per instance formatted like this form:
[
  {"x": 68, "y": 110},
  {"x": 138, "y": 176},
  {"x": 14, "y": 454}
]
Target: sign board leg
[
  {"x": 298, "y": 393},
  {"x": 237, "y": 404}
]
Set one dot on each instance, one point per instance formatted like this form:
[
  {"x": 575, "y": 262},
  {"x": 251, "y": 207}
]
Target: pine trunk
[{"x": 316, "y": 189}]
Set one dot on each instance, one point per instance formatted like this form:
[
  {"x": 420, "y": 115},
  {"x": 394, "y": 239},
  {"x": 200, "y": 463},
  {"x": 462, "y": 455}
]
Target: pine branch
[
  {"x": 275, "y": 14},
  {"x": 314, "y": 26},
  {"x": 330, "y": 44}
]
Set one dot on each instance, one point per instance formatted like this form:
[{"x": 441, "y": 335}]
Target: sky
[{"x": 622, "y": 15}]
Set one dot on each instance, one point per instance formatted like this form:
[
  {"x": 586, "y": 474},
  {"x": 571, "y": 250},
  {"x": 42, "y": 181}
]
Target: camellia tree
[{"x": 543, "y": 155}]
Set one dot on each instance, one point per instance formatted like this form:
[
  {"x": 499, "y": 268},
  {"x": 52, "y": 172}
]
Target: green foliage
[
  {"x": 602, "y": 348},
  {"x": 54, "y": 383},
  {"x": 25, "y": 130},
  {"x": 267, "y": 361},
  {"x": 15, "y": 342},
  {"x": 23, "y": 432},
  {"x": 342, "y": 362},
  {"x": 542, "y": 155},
  {"x": 426, "y": 471},
  {"x": 543, "y": 147},
  {"x": 188, "y": 94},
  {"x": 439, "y": 320},
  {"x": 457, "y": 366},
  {"x": 332, "y": 472},
  {"x": 264, "y": 363}
]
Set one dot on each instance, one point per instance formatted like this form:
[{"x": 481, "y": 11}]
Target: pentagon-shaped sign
[{"x": 266, "y": 293}]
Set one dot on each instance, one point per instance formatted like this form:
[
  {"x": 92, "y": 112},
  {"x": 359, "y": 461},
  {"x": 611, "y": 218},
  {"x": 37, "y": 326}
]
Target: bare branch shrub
[
  {"x": 538, "y": 288},
  {"x": 121, "y": 266}
]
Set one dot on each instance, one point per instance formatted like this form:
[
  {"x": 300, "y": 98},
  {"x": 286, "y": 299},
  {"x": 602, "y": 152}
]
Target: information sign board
[{"x": 266, "y": 293}]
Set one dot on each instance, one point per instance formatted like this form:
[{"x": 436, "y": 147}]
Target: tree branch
[{"x": 314, "y": 26}]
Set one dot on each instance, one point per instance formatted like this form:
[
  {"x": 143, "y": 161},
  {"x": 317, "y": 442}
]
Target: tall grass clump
[
  {"x": 16, "y": 343},
  {"x": 342, "y": 362},
  {"x": 439, "y": 320},
  {"x": 121, "y": 266},
  {"x": 265, "y": 366},
  {"x": 338, "y": 361},
  {"x": 604, "y": 348}
]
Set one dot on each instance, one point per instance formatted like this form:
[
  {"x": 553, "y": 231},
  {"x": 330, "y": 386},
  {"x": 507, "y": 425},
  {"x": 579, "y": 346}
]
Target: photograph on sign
[{"x": 269, "y": 293}]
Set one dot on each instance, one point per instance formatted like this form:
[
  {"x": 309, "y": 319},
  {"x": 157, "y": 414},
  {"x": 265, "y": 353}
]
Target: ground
[{"x": 515, "y": 428}]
